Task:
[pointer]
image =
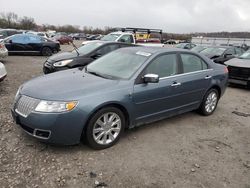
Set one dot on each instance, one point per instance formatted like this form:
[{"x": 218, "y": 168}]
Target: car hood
[
  {"x": 237, "y": 62},
  {"x": 67, "y": 85},
  {"x": 62, "y": 56}
]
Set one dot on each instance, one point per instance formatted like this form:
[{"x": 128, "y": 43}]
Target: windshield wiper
[
  {"x": 99, "y": 74},
  {"x": 75, "y": 48}
]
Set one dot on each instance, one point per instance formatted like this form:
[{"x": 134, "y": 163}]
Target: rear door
[
  {"x": 195, "y": 80},
  {"x": 34, "y": 43}
]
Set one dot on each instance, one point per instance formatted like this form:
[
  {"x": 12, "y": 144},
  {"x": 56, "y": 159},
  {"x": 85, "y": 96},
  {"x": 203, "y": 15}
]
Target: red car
[{"x": 63, "y": 39}]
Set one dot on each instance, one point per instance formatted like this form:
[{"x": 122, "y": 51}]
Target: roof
[
  {"x": 120, "y": 32},
  {"x": 156, "y": 50}
]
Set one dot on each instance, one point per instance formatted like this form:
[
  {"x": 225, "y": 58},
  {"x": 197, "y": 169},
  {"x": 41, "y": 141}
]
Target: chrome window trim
[{"x": 183, "y": 74}]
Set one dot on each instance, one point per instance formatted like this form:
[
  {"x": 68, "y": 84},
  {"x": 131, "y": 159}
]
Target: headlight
[
  {"x": 55, "y": 106},
  {"x": 18, "y": 92},
  {"x": 62, "y": 63}
]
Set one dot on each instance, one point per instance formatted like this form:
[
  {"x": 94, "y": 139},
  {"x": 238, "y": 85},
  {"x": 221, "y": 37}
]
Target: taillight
[
  {"x": 225, "y": 69},
  {"x": 1, "y": 46}
]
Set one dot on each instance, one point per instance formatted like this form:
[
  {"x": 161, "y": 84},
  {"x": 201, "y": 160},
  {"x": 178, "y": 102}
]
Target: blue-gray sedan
[{"x": 124, "y": 89}]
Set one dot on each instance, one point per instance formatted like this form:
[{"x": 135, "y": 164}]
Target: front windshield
[
  {"x": 246, "y": 55},
  {"x": 118, "y": 64},
  {"x": 214, "y": 51},
  {"x": 88, "y": 47},
  {"x": 110, "y": 37}
]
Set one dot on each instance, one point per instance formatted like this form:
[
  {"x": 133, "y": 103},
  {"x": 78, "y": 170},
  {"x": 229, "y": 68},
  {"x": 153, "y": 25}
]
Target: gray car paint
[
  {"x": 142, "y": 103},
  {"x": 238, "y": 62}
]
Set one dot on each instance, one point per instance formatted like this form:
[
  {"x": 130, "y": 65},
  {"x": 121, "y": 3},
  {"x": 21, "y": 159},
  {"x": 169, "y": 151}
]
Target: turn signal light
[{"x": 70, "y": 105}]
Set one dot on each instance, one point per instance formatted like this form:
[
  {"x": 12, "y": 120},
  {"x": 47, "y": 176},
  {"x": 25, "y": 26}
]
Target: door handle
[
  {"x": 208, "y": 77},
  {"x": 176, "y": 84}
]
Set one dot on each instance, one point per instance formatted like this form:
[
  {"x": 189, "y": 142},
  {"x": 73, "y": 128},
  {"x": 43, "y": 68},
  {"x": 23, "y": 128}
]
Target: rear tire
[
  {"x": 46, "y": 51},
  {"x": 209, "y": 103},
  {"x": 105, "y": 128}
]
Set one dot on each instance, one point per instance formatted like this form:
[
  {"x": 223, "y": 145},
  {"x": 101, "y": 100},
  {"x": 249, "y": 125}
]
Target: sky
[{"x": 174, "y": 16}]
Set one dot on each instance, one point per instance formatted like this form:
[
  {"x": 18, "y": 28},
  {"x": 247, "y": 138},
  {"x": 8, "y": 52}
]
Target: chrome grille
[{"x": 25, "y": 105}]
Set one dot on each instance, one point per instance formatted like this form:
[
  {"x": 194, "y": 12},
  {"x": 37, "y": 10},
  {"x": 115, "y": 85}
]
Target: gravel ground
[{"x": 184, "y": 151}]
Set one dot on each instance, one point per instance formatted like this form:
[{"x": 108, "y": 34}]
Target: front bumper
[
  {"x": 3, "y": 53},
  {"x": 54, "y": 128},
  {"x": 239, "y": 81}
]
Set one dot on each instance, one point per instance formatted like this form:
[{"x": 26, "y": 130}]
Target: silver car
[
  {"x": 3, "y": 72},
  {"x": 3, "y": 51}
]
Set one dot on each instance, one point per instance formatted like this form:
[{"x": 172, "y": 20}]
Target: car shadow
[{"x": 128, "y": 134}]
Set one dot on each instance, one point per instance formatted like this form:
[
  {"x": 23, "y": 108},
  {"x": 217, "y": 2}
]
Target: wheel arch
[
  {"x": 105, "y": 105},
  {"x": 217, "y": 88}
]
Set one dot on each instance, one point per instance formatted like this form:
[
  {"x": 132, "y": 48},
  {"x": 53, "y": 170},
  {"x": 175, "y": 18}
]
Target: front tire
[
  {"x": 105, "y": 128},
  {"x": 209, "y": 102}
]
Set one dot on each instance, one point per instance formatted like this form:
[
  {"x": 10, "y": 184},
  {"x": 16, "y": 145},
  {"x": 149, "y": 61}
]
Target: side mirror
[
  {"x": 10, "y": 41},
  {"x": 151, "y": 78}
]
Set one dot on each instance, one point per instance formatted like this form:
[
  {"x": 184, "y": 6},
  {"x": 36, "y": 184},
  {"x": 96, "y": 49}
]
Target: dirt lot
[{"x": 180, "y": 152}]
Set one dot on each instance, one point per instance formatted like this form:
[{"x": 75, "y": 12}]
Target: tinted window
[
  {"x": 165, "y": 65},
  {"x": 126, "y": 38},
  {"x": 192, "y": 63},
  {"x": 107, "y": 48}
]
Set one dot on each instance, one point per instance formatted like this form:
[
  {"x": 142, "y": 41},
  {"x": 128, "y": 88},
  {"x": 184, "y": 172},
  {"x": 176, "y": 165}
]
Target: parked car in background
[
  {"x": 3, "y": 72},
  {"x": 239, "y": 69},
  {"x": 198, "y": 48},
  {"x": 123, "y": 89},
  {"x": 31, "y": 44},
  {"x": 63, "y": 39},
  {"x": 80, "y": 57},
  {"x": 94, "y": 37},
  {"x": 4, "y": 33},
  {"x": 78, "y": 36},
  {"x": 3, "y": 50},
  {"x": 119, "y": 36},
  {"x": 171, "y": 42},
  {"x": 187, "y": 46},
  {"x": 220, "y": 54},
  {"x": 43, "y": 34}
]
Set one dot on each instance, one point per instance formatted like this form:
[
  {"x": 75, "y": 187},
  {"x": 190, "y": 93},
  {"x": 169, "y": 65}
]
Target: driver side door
[{"x": 157, "y": 100}]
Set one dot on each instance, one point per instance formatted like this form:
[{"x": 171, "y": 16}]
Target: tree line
[{"x": 12, "y": 20}]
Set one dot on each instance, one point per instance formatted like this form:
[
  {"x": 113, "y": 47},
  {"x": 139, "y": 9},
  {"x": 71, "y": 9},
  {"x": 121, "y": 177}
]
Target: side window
[
  {"x": 107, "y": 48},
  {"x": 34, "y": 39},
  {"x": 126, "y": 39},
  {"x": 165, "y": 65},
  {"x": 18, "y": 39},
  {"x": 192, "y": 63}
]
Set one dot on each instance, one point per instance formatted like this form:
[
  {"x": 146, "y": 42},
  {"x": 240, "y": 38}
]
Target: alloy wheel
[
  {"x": 107, "y": 128},
  {"x": 211, "y": 102}
]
